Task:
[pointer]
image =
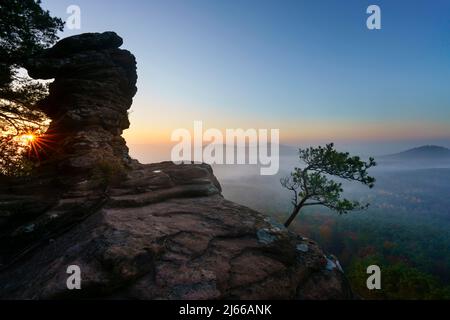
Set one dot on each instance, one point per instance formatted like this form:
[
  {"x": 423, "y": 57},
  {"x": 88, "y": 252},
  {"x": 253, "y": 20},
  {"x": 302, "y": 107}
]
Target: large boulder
[
  {"x": 175, "y": 238},
  {"x": 94, "y": 84}
]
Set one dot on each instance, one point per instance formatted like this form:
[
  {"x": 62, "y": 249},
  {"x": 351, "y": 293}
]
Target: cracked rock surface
[{"x": 176, "y": 247}]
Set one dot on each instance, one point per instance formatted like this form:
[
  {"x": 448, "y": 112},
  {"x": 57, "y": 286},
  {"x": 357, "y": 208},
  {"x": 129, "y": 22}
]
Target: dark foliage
[
  {"x": 25, "y": 30},
  {"x": 312, "y": 184}
]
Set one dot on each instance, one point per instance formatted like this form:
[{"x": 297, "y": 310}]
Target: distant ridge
[{"x": 428, "y": 152}]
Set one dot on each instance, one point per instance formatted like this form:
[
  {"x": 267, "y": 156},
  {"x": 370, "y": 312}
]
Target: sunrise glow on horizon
[{"x": 293, "y": 132}]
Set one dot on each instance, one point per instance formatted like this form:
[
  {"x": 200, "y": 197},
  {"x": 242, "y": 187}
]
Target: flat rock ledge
[{"x": 166, "y": 233}]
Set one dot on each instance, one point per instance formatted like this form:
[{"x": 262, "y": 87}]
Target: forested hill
[{"x": 430, "y": 152}]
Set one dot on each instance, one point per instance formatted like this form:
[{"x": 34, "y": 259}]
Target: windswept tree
[
  {"x": 25, "y": 30},
  {"x": 314, "y": 185}
]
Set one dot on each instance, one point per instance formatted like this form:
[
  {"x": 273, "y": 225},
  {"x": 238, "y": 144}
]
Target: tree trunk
[{"x": 293, "y": 214}]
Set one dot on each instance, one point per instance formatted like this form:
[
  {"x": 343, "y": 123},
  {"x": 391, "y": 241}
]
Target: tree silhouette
[
  {"x": 25, "y": 30},
  {"x": 314, "y": 184}
]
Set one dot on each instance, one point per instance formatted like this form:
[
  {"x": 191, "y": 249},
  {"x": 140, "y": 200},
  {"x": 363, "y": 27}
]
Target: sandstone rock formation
[
  {"x": 88, "y": 102},
  {"x": 158, "y": 231}
]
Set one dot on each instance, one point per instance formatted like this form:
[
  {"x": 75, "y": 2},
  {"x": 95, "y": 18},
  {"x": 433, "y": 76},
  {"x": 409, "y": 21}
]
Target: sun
[
  {"x": 28, "y": 138},
  {"x": 35, "y": 143}
]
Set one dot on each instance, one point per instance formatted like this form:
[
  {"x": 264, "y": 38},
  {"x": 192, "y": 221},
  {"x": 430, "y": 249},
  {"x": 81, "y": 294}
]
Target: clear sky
[{"x": 310, "y": 68}]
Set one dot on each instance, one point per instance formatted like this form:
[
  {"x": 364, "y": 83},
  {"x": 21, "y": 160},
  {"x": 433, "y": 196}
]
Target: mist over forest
[{"x": 405, "y": 230}]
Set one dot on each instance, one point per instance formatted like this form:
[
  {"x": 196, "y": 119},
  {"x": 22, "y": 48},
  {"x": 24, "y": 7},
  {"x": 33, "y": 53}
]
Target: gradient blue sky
[{"x": 310, "y": 68}]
